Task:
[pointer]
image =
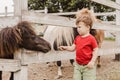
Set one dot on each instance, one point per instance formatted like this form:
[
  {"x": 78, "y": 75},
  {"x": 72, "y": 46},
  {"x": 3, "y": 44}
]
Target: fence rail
[
  {"x": 35, "y": 57},
  {"x": 108, "y": 3},
  {"x": 73, "y": 13},
  {"x": 10, "y": 65}
]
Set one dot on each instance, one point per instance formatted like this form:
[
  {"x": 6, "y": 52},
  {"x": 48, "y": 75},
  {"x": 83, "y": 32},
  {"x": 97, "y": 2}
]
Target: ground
[{"x": 109, "y": 70}]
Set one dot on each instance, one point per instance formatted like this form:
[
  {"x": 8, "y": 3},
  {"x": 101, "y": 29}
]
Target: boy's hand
[
  {"x": 90, "y": 65},
  {"x": 63, "y": 47}
]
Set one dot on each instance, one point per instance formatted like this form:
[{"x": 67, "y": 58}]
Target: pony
[
  {"x": 22, "y": 35},
  {"x": 64, "y": 36}
]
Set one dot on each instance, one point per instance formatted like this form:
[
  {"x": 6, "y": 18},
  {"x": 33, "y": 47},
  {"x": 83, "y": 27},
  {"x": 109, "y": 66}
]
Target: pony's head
[
  {"x": 30, "y": 40},
  {"x": 21, "y": 36}
]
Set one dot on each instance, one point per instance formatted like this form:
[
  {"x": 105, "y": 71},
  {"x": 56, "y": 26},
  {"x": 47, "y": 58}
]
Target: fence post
[
  {"x": 46, "y": 10},
  {"x": 6, "y": 11},
  {"x": 117, "y": 55},
  {"x": 23, "y": 73},
  {"x": 24, "y": 5},
  {"x": 19, "y": 6}
]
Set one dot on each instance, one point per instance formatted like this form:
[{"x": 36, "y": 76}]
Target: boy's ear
[{"x": 88, "y": 26}]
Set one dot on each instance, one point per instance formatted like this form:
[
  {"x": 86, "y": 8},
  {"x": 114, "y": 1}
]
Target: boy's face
[{"x": 82, "y": 28}]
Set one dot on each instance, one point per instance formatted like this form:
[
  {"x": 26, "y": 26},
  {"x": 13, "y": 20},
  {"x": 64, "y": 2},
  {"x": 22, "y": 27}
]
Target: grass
[{"x": 109, "y": 39}]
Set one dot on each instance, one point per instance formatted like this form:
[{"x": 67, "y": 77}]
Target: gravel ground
[{"x": 109, "y": 70}]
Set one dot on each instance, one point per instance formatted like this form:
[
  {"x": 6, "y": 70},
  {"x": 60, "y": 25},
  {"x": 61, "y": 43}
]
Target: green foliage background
[{"x": 69, "y": 6}]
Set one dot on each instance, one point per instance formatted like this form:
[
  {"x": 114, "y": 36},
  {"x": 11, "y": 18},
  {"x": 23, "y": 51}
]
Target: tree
[{"x": 69, "y": 6}]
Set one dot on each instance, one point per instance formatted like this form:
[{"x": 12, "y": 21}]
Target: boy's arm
[
  {"x": 94, "y": 57},
  {"x": 71, "y": 48},
  {"x": 68, "y": 48}
]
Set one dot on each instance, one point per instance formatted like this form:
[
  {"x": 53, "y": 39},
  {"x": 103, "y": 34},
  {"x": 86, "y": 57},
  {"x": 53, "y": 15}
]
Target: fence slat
[
  {"x": 34, "y": 57},
  {"x": 8, "y": 21},
  {"x": 62, "y": 21},
  {"x": 48, "y": 19},
  {"x": 108, "y": 3},
  {"x": 10, "y": 65},
  {"x": 73, "y": 13}
]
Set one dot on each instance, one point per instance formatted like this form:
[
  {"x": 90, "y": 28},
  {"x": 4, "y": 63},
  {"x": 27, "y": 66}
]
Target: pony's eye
[{"x": 33, "y": 37}]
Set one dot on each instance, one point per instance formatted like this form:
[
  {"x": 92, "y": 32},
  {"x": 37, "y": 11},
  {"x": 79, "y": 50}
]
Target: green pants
[{"x": 83, "y": 73}]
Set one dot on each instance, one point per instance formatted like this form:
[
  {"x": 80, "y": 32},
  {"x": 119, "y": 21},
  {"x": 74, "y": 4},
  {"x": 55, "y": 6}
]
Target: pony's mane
[
  {"x": 11, "y": 37},
  {"x": 59, "y": 35},
  {"x": 26, "y": 27}
]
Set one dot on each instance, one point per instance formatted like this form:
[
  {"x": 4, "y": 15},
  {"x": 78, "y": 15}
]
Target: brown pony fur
[{"x": 11, "y": 38}]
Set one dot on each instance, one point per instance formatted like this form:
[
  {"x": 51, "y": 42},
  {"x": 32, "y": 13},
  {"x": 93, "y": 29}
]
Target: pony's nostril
[
  {"x": 49, "y": 46},
  {"x": 45, "y": 50}
]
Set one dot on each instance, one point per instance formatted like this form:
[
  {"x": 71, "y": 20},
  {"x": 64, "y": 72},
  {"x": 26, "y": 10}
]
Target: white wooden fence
[{"x": 22, "y": 59}]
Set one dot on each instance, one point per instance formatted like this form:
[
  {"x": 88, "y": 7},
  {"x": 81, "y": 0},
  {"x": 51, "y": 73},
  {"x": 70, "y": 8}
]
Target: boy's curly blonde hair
[{"x": 85, "y": 16}]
